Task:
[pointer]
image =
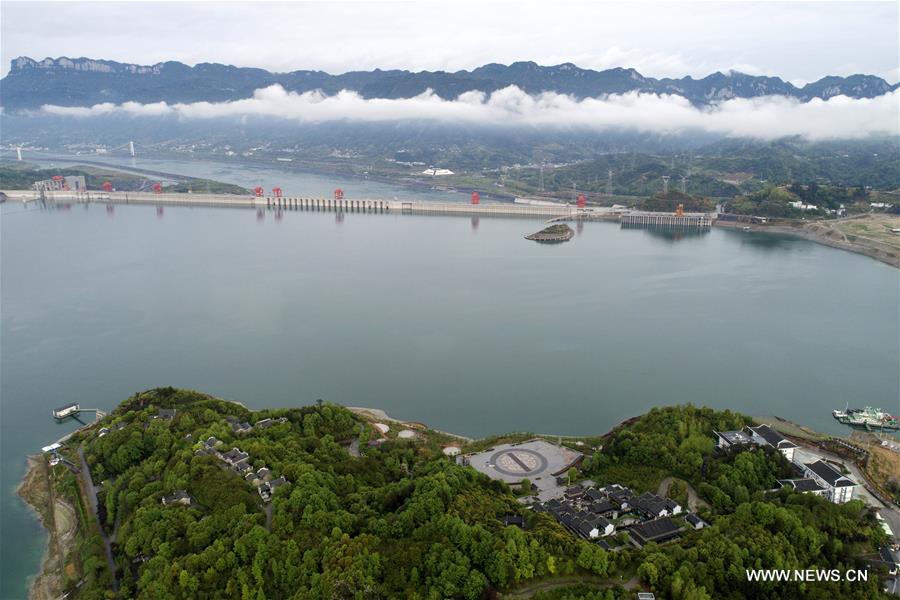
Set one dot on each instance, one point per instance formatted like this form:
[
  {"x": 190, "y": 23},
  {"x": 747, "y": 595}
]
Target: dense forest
[{"x": 402, "y": 520}]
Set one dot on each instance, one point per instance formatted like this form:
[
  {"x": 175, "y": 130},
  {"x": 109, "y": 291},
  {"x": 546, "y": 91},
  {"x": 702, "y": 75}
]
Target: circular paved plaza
[
  {"x": 518, "y": 462},
  {"x": 536, "y": 460}
]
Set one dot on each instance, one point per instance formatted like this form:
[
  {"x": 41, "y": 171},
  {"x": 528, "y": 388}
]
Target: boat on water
[{"x": 867, "y": 418}]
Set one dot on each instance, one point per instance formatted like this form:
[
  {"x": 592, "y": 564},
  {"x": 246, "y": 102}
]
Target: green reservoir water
[{"x": 458, "y": 323}]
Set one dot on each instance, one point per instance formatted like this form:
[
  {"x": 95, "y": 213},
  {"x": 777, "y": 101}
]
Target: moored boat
[{"x": 867, "y": 418}]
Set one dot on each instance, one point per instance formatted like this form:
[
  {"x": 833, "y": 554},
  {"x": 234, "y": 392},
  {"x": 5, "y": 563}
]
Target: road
[
  {"x": 91, "y": 491},
  {"x": 891, "y": 514}
]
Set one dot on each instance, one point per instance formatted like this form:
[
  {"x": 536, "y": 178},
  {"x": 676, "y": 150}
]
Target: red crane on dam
[
  {"x": 276, "y": 191},
  {"x": 338, "y": 194},
  {"x": 107, "y": 186},
  {"x": 581, "y": 201},
  {"x": 258, "y": 191},
  {"x": 157, "y": 188},
  {"x": 476, "y": 198}
]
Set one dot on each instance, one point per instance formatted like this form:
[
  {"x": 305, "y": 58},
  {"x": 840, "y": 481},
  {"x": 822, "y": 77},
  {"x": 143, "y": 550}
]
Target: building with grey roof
[
  {"x": 804, "y": 485},
  {"x": 727, "y": 439},
  {"x": 838, "y": 487},
  {"x": 658, "y": 530},
  {"x": 694, "y": 521},
  {"x": 766, "y": 436},
  {"x": 178, "y": 497}
]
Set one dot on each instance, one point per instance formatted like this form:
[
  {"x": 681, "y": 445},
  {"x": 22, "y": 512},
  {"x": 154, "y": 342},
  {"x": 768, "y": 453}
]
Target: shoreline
[
  {"x": 58, "y": 519},
  {"x": 808, "y": 233}
]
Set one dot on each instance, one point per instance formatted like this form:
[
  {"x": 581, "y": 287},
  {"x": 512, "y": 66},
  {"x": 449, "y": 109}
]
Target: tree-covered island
[{"x": 203, "y": 498}]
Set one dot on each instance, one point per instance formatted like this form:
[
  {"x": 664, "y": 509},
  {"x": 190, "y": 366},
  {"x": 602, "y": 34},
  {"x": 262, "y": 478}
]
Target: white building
[
  {"x": 766, "y": 436},
  {"x": 59, "y": 183},
  {"x": 838, "y": 488},
  {"x": 799, "y": 205},
  {"x": 437, "y": 172},
  {"x": 760, "y": 435},
  {"x": 726, "y": 439}
]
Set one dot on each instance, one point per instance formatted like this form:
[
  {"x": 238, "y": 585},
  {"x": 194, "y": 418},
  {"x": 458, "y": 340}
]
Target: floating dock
[{"x": 68, "y": 410}]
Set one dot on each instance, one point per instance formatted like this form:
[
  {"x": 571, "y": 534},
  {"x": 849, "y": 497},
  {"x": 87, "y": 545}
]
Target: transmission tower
[
  {"x": 683, "y": 184},
  {"x": 609, "y": 183},
  {"x": 665, "y": 179}
]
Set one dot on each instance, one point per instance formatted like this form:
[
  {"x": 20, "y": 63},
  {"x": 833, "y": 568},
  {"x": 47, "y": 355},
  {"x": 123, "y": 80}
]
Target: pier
[{"x": 74, "y": 410}]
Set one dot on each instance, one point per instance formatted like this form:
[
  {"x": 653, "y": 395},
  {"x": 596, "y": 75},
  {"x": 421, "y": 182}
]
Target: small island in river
[{"x": 553, "y": 234}]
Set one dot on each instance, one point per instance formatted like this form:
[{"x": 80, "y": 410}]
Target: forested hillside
[{"x": 402, "y": 520}]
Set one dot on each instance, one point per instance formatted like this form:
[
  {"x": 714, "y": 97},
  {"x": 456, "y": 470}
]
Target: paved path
[
  {"x": 354, "y": 447},
  {"x": 92, "y": 501},
  {"x": 268, "y": 510},
  {"x": 694, "y": 499}
]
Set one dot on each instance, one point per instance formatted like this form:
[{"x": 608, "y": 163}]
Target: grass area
[
  {"x": 875, "y": 226},
  {"x": 884, "y": 469}
]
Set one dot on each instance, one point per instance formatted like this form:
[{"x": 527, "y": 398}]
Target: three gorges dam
[{"x": 280, "y": 203}]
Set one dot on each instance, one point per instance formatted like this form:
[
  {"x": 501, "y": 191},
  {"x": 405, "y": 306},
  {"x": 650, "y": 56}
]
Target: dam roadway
[
  {"x": 362, "y": 205},
  {"x": 544, "y": 210}
]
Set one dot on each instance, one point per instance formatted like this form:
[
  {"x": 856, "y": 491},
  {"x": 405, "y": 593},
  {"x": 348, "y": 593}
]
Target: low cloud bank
[{"x": 764, "y": 117}]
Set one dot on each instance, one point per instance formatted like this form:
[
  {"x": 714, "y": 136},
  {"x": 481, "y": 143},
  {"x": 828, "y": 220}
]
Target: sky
[{"x": 799, "y": 42}]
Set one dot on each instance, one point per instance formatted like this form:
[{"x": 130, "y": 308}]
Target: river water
[{"x": 456, "y": 322}]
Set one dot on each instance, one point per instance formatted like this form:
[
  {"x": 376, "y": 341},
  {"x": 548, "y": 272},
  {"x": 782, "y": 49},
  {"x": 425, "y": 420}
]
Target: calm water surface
[{"x": 455, "y": 322}]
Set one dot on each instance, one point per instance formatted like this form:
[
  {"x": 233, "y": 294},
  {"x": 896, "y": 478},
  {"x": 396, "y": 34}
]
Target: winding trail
[{"x": 694, "y": 499}]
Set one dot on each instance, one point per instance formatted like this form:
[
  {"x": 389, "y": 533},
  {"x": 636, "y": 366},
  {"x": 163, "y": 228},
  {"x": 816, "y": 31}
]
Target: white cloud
[{"x": 765, "y": 117}]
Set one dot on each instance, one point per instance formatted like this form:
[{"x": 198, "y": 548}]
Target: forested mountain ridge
[
  {"x": 402, "y": 520},
  {"x": 83, "y": 81}
]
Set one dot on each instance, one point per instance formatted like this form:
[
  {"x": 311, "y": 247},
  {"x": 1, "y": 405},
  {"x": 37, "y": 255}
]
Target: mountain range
[{"x": 83, "y": 82}]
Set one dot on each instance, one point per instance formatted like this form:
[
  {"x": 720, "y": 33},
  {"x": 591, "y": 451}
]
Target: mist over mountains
[
  {"x": 62, "y": 81},
  {"x": 729, "y": 132}
]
